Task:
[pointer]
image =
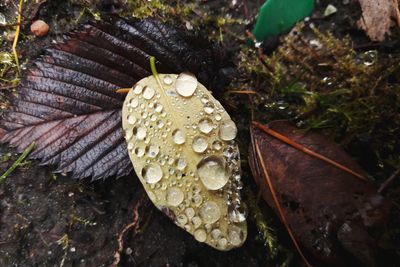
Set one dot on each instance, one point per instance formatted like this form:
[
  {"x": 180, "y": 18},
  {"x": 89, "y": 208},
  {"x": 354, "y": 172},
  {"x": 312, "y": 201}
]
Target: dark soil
[{"x": 48, "y": 220}]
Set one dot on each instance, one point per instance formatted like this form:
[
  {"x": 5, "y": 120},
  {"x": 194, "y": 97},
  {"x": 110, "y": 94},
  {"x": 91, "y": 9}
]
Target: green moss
[{"x": 322, "y": 82}]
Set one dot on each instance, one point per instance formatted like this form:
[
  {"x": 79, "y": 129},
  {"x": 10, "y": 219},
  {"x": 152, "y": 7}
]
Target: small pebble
[{"x": 39, "y": 28}]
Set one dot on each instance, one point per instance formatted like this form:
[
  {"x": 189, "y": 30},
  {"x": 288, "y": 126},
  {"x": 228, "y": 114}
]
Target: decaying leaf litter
[{"x": 234, "y": 100}]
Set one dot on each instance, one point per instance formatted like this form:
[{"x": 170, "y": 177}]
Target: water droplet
[
  {"x": 210, "y": 212},
  {"x": 138, "y": 89},
  {"x": 181, "y": 164},
  {"x": 167, "y": 80},
  {"x": 152, "y": 150},
  {"x": 139, "y": 151},
  {"x": 209, "y": 107},
  {"x": 205, "y": 125},
  {"x": 181, "y": 219},
  {"x": 131, "y": 119},
  {"x": 160, "y": 124},
  {"x": 128, "y": 134},
  {"x": 222, "y": 243},
  {"x": 200, "y": 235},
  {"x": 227, "y": 130},
  {"x": 190, "y": 213},
  {"x": 237, "y": 214},
  {"x": 217, "y": 145},
  {"x": 158, "y": 107},
  {"x": 134, "y": 102},
  {"x": 148, "y": 92},
  {"x": 153, "y": 117},
  {"x": 197, "y": 200},
  {"x": 141, "y": 133},
  {"x": 196, "y": 222},
  {"x": 178, "y": 136},
  {"x": 215, "y": 233},
  {"x": 186, "y": 84},
  {"x": 174, "y": 196},
  {"x": 235, "y": 235},
  {"x": 152, "y": 173},
  {"x": 131, "y": 145},
  {"x": 199, "y": 144},
  {"x": 212, "y": 172}
]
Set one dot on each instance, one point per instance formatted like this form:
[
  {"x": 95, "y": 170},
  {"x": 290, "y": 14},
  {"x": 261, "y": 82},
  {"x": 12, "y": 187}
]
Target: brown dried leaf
[
  {"x": 376, "y": 17},
  {"x": 67, "y": 101},
  {"x": 328, "y": 210}
]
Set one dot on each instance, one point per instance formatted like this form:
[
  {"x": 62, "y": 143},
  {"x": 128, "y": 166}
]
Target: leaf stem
[
  {"x": 153, "y": 66},
  {"x": 17, "y": 162}
]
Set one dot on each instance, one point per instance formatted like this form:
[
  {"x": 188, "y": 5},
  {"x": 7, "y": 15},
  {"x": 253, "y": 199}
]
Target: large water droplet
[
  {"x": 212, "y": 172},
  {"x": 200, "y": 235},
  {"x": 205, "y": 125},
  {"x": 174, "y": 196},
  {"x": 227, "y": 130},
  {"x": 141, "y": 133},
  {"x": 178, "y": 136},
  {"x": 186, "y": 84},
  {"x": 152, "y": 173},
  {"x": 148, "y": 92},
  {"x": 210, "y": 212},
  {"x": 199, "y": 144}
]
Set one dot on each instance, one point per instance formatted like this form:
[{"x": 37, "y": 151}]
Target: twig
[
  {"x": 123, "y": 90},
  {"x": 17, "y": 162},
  {"x": 306, "y": 150},
  {"x": 396, "y": 11},
  {"x": 17, "y": 31},
  {"x": 389, "y": 180},
  {"x": 277, "y": 204},
  {"x": 134, "y": 224}
]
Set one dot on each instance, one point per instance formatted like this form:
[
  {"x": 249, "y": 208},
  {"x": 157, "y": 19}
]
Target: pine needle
[{"x": 17, "y": 31}]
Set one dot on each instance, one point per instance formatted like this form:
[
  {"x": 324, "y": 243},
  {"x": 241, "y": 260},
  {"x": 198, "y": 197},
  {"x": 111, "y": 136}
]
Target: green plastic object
[{"x": 278, "y": 16}]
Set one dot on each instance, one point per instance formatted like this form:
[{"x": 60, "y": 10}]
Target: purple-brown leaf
[
  {"x": 67, "y": 102},
  {"x": 331, "y": 213}
]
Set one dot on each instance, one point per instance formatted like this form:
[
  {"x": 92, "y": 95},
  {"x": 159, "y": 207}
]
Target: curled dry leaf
[
  {"x": 181, "y": 143},
  {"x": 67, "y": 102},
  {"x": 329, "y": 212},
  {"x": 377, "y": 17}
]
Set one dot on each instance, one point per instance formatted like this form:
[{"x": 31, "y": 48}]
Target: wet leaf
[
  {"x": 67, "y": 103},
  {"x": 181, "y": 143},
  {"x": 377, "y": 18},
  {"x": 327, "y": 209}
]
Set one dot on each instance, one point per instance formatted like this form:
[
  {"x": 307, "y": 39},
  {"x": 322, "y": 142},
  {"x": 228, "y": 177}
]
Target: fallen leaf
[
  {"x": 67, "y": 102},
  {"x": 377, "y": 16},
  {"x": 187, "y": 158},
  {"x": 326, "y": 209}
]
